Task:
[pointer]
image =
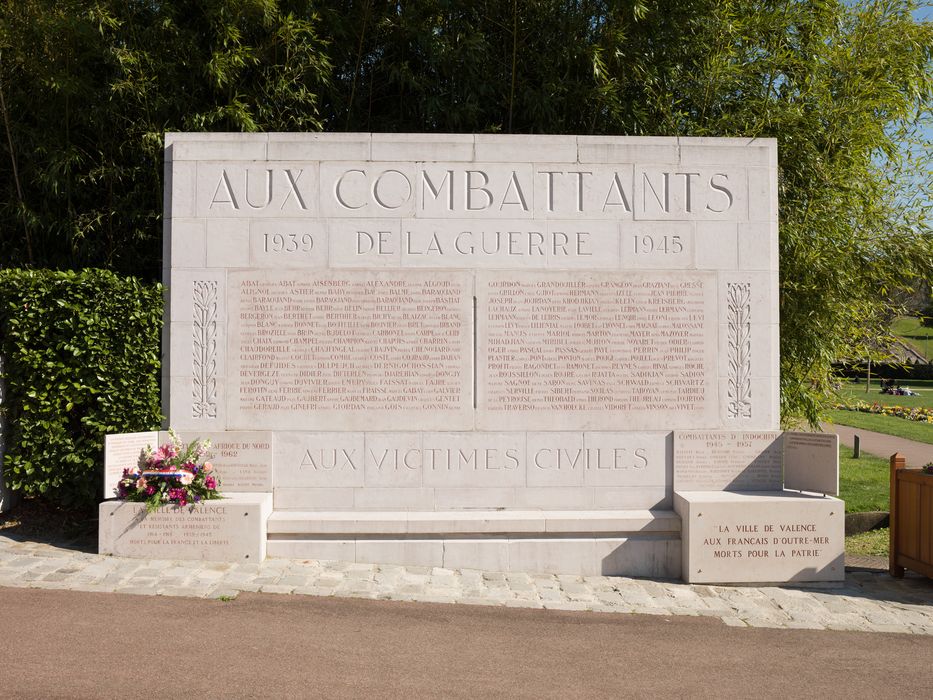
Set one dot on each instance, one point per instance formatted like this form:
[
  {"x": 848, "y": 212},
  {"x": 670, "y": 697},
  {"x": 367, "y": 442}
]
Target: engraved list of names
[
  {"x": 597, "y": 351},
  {"x": 354, "y": 351}
]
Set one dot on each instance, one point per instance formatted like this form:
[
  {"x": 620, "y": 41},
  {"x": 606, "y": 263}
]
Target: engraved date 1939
[{"x": 287, "y": 242}]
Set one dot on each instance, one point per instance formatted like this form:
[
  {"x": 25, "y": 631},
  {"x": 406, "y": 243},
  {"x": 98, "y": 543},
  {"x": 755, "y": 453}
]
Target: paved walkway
[
  {"x": 881, "y": 445},
  {"x": 868, "y": 601}
]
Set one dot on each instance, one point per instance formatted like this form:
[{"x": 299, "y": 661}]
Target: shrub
[{"x": 80, "y": 359}]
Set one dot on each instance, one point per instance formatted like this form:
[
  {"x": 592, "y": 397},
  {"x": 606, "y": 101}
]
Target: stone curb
[
  {"x": 866, "y": 601},
  {"x": 857, "y": 523}
]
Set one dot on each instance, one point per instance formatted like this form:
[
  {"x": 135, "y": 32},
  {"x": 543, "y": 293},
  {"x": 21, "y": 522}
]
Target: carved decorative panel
[
  {"x": 740, "y": 349},
  {"x": 204, "y": 356}
]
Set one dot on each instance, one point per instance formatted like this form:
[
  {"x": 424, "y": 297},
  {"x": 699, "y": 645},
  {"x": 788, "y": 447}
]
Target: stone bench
[{"x": 626, "y": 542}]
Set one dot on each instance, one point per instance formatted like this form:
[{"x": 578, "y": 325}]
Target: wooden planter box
[{"x": 911, "y": 520}]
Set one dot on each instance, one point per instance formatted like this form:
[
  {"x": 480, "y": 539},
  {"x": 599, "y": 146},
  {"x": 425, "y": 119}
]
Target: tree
[
  {"x": 90, "y": 86},
  {"x": 846, "y": 90}
]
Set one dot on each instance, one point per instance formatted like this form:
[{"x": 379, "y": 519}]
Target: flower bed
[{"x": 918, "y": 414}]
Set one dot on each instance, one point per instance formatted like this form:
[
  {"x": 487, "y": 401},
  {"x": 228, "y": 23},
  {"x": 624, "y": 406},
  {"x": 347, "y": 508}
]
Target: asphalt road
[{"x": 64, "y": 644}]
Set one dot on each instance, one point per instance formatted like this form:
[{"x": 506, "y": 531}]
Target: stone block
[
  {"x": 233, "y": 147},
  {"x": 403, "y": 553},
  {"x": 228, "y": 529},
  {"x": 243, "y": 189},
  {"x": 320, "y": 460},
  {"x": 628, "y": 149},
  {"x": 811, "y": 462},
  {"x": 519, "y": 148},
  {"x": 312, "y": 498},
  {"x": 761, "y": 537},
  {"x": 556, "y": 459},
  {"x": 465, "y": 244},
  {"x": 188, "y": 246},
  {"x": 762, "y": 194},
  {"x": 652, "y": 497},
  {"x": 362, "y": 243},
  {"x": 716, "y": 245},
  {"x": 197, "y": 404},
  {"x": 474, "y": 460},
  {"x": 590, "y": 245},
  {"x": 725, "y": 460},
  {"x": 555, "y": 497},
  {"x": 122, "y": 451},
  {"x": 627, "y": 459},
  {"x": 583, "y": 192},
  {"x": 487, "y": 555},
  {"x": 183, "y": 187},
  {"x": 758, "y": 246},
  {"x": 228, "y": 243},
  {"x": 728, "y": 151},
  {"x": 406, "y": 499},
  {"x": 366, "y": 189},
  {"x": 690, "y": 194},
  {"x": 286, "y": 243},
  {"x": 465, "y": 498},
  {"x": 324, "y": 550},
  {"x": 481, "y": 190},
  {"x": 422, "y": 147},
  {"x": 312, "y": 147},
  {"x": 659, "y": 245},
  {"x": 640, "y": 556},
  {"x": 394, "y": 460},
  {"x": 555, "y": 556}
]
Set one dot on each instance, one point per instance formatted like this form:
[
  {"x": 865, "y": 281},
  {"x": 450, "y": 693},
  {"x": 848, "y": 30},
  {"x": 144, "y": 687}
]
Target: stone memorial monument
[{"x": 516, "y": 353}]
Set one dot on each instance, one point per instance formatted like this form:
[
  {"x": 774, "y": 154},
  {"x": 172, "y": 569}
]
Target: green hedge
[{"x": 81, "y": 359}]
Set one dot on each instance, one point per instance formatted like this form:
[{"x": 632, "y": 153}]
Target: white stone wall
[{"x": 475, "y": 305}]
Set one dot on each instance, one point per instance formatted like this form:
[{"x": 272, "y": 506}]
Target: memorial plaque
[
  {"x": 122, "y": 451},
  {"x": 232, "y": 528},
  {"x": 590, "y": 351},
  {"x": 717, "y": 461},
  {"x": 811, "y": 462},
  {"x": 242, "y": 461},
  {"x": 761, "y": 537},
  {"x": 544, "y": 470},
  {"x": 339, "y": 350}
]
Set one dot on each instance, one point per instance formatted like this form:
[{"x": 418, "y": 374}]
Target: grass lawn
[
  {"x": 913, "y": 333},
  {"x": 890, "y": 425},
  {"x": 869, "y": 544},
  {"x": 864, "y": 483},
  {"x": 854, "y": 390}
]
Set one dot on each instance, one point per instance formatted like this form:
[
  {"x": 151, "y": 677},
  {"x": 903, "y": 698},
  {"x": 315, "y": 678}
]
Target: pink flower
[
  {"x": 150, "y": 490},
  {"x": 210, "y": 482},
  {"x": 208, "y": 467},
  {"x": 167, "y": 451},
  {"x": 141, "y": 482},
  {"x": 186, "y": 477},
  {"x": 180, "y": 496}
]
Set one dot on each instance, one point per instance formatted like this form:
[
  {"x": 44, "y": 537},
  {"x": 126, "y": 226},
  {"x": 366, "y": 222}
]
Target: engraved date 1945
[{"x": 645, "y": 245}]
